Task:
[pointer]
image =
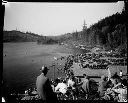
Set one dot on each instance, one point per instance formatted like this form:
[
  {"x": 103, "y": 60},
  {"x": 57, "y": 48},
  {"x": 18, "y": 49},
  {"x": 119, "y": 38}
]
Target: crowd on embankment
[{"x": 110, "y": 87}]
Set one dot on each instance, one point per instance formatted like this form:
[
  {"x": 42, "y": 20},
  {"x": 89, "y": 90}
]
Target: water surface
[{"x": 22, "y": 61}]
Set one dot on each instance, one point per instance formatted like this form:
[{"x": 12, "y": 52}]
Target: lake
[{"x": 22, "y": 61}]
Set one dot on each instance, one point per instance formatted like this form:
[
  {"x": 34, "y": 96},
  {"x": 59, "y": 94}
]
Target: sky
[{"x": 45, "y": 18}]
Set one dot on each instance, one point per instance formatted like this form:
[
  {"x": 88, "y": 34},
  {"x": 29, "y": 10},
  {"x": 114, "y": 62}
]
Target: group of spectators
[
  {"x": 68, "y": 88},
  {"x": 95, "y": 61},
  {"x": 112, "y": 88},
  {"x": 81, "y": 88}
]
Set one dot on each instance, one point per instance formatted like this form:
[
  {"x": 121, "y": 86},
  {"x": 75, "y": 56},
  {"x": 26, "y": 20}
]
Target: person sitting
[
  {"x": 124, "y": 82},
  {"x": 122, "y": 94},
  {"x": 116, "y": 81},
  {"x": 70, "y": 82},
  {"x": 61, "y": 87},
  {"x": 103, "y": 85},
  {"x": 115, "y": 75},
  {"x": 119, "y": 89},
  {"x": 52, "y": 85}
]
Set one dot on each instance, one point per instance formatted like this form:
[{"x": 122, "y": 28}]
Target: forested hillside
[
  {"x": 17, "y": 36},
  {"x": 109, "y": 32}
]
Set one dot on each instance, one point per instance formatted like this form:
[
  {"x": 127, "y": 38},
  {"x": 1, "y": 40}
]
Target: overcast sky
[{"x": 56, "y": 18}]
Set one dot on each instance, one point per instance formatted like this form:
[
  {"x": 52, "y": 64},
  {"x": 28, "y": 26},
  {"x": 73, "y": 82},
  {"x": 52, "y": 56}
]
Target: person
[
  {"x": 116, "y": 81},
  {"x": 85, "y": 85},
  {"x": 118, "y": 89},
  {"x": 26, "y": 92},
  {"x": 121, "y": 73},
  {"x": 115, "y": 75},
  {"x": 61, "y": 87},
  {"x": 44, "y": 89},
  {"x": 109, "y": 74},
  {"x": 70, "y": 82},
  {"x": 3, "y": 99},
  {"x": 125, "y": 82},
  {"x": 52, "y": 85},
  {"x": 103, "y": 85},
  {"x": 122, "y": 94}
]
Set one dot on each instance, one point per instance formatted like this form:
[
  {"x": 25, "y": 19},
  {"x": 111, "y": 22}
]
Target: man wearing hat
[{"x": 44, "y": 88}]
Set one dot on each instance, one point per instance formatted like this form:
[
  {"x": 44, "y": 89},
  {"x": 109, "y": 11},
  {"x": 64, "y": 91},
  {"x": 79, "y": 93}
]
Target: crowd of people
[
  {"x": 111, "y": 87},
  {"x": 68, "y": 88},
  {"x": 96, "y": 61}
]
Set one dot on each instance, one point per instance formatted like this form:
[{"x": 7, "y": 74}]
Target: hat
[{"x": 44, "y": 68}]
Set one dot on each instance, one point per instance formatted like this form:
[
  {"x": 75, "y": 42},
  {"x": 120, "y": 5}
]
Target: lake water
[{"x": 22, "y": 61}]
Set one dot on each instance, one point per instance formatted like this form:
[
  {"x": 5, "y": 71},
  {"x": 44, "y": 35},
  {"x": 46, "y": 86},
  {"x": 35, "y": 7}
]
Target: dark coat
[{"x": 44, "y": 88}]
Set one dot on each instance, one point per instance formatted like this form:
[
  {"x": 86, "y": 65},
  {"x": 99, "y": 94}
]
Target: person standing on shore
[{"x": 44, "y": 89}]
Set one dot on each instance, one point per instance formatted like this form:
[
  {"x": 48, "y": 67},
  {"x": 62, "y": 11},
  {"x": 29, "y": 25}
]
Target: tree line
[
  {"x": 18, "y": 36},
  {"x": 109, "y": 32}
]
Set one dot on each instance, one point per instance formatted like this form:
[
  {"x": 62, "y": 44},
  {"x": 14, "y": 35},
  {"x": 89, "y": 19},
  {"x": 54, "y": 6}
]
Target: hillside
[
  {"x": 109, "y": 32},
  {"x": 17, "y": 36}
]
